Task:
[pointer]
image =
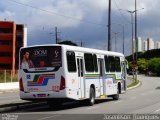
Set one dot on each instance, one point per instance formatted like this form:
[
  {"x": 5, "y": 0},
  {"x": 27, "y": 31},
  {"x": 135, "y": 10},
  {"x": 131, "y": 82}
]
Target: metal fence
[{"x": 6, "y": 76}]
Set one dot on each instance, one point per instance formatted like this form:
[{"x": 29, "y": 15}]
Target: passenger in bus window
[
  {"x": 42, "y": 63},
  {"x": 26, "y": 63}
]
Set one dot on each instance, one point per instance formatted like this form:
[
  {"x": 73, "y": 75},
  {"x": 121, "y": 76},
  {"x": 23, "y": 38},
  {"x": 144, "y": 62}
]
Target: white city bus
[{"x": 57, "y": 73}]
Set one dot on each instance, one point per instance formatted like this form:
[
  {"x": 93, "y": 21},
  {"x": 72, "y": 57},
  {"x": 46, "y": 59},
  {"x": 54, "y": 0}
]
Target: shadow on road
[{"x": 64, "y": 106}]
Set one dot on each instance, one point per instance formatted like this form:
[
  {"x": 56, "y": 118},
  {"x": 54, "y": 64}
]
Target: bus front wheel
[
  {"x": 116, "y": 96},
  {"x": 91, "y": 99}
]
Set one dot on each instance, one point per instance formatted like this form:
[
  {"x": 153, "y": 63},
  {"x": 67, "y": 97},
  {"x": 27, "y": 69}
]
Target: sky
[{"x": 83, "y": 20}]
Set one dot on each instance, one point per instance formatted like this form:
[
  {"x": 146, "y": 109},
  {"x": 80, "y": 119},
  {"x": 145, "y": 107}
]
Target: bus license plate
[{"x": 41, "y": 95}]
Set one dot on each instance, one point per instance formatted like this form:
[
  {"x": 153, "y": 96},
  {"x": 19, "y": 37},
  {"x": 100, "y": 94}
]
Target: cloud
[
  {"x": 7, "y": 14},
  {"x": 59, "y": 14},
  {"x": 91, "y": 12}
]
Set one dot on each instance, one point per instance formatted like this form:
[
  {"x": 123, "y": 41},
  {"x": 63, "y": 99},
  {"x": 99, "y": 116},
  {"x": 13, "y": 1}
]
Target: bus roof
[{"x": 80, "y": 49}]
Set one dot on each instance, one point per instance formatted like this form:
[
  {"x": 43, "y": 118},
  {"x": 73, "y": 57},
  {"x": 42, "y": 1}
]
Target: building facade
[
  {"x": 157, "y": 45},
  {"x": 139, "y": 44},
  {"x": 145, "y": 45},
  {"x": 150, "y": 44},
  {"x": 12, "y": 37}
]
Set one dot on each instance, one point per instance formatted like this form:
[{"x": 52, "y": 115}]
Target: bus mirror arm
[{"x": 126, "y": 64}]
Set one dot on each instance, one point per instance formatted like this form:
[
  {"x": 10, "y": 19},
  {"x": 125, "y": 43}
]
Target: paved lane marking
[
  {"x": 117, "y": 102},
  {"x": 45, "y": 118},
  {"x": 92, "y": 107}
]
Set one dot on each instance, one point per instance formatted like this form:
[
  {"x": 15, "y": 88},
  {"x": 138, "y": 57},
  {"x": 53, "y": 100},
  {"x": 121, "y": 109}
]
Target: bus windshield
[{"x": 38, "y": 57}]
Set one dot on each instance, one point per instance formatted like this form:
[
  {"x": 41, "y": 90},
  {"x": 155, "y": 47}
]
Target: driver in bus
[{"x": 26, "y": 63}]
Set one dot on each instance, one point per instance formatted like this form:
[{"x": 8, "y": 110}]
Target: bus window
[
  {"x": 117, "y": 64},
  {"x": 71, "y": 62},
  {"x": 89, "y": 62},
  {"x": 81, "y": 62},
  {"x": 111, "y": 64},
  {"x": 37, "y": 57},
  {"x": 95, "y": 63},
  {"x": 106, "y": 63},
  {"x": 78, "y": 66}
]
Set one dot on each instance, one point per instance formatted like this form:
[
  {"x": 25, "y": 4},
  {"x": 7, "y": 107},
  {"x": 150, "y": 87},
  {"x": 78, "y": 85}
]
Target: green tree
[
  {"x": 155, "y": 53},
  {"x": 68, "y": 42},
  {"x": 154, "y": 65},
  {"x": 142, "y": 65}
]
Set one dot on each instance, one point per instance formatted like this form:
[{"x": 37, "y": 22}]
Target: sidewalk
[
  {"x": 9, "y": 91},
  {"x": 9, "y": 87}
]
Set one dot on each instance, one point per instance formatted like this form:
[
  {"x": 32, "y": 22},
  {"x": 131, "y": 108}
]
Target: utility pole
[
  {"x": 123, "y": 38},
  {"x": 109, "y": 27},
  {"x": 136, "y": 39},
  {"x": 115, "y": 34},
  {"x": 123, "y": 34},
  {"x": 82, "y": 43},
  {"x": 132, "y": 37},
  {"x": 56, "y": 35}
]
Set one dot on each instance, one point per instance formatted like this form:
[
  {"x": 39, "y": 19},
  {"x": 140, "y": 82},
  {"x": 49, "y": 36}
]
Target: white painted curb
[{"x": 135, "y": 86}]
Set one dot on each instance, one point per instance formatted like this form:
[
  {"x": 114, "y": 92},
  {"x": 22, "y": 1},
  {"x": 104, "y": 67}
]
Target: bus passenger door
[
  {"x": 124, "y": 76},
  {"x": 101, "y": 75},
  {"x": 81, "y": 84}
]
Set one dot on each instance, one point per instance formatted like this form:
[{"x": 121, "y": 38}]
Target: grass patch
[
  {"x": 8, "y": 77},
  {"x": 133, "y": 84}
]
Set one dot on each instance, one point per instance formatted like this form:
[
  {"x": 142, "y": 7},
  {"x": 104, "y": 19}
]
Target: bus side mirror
[{"x": 127, "y": 66}]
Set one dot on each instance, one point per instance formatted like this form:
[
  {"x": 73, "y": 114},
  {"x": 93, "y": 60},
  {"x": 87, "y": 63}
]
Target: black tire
[
  {"x": 116, "y": 96},
  {"x": 91, "y": 99}
]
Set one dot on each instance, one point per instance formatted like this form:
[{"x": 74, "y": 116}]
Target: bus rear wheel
[{"x": 91, "y": 99}]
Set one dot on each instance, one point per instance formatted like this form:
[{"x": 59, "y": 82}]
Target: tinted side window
[
  {"x": 95, "y": 63},
  {"x": 71, "y": 62},
  {"x": 107, "y": 64},
  {"x": 117, "y": 64},
  {"x": 111, "y": 64},
  {"x": 89, "y": 62}
]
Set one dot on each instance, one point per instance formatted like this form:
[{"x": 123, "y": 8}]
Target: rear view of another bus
[{"x": 41, "y": 73}]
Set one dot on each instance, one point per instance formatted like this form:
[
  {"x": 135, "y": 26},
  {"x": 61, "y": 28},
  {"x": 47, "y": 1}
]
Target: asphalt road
[
  {"x": 144, "y": 99},
  {"x": 9, "y": 98}
]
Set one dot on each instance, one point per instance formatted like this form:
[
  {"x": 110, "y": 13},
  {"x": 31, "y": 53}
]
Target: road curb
[
  {"x": 135, "y": 86},
  {"x": 19, "y": 107}
]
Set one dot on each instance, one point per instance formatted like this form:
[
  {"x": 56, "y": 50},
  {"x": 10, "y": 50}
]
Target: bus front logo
[{"x": 41, "y": 80}]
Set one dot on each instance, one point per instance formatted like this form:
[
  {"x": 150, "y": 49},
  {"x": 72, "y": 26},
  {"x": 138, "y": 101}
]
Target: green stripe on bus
[
  {"x": 92, "y": 75},
  {"x": 114, "y": 76}
]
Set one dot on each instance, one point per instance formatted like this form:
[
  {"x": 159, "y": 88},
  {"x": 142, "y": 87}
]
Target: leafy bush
[
  {"x": 142, "y": 65},
  {"x": 154, "y": 65}
]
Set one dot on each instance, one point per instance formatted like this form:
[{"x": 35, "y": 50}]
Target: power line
[
  {"x": 122, "y": 15},
  {"x": 55, "y": 13}
]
